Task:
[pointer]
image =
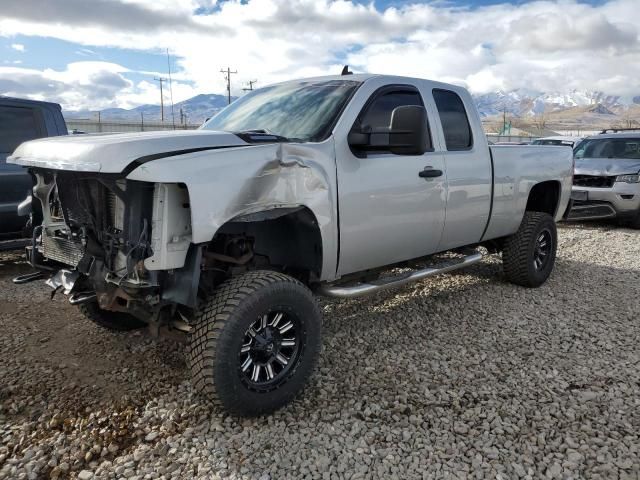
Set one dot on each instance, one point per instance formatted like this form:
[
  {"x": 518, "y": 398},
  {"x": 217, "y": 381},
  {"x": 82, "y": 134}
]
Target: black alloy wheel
[
  {"x": 255, "y": 342},
  {"x": 271, "y": 349},
  {"x": 542, "y": 250}
]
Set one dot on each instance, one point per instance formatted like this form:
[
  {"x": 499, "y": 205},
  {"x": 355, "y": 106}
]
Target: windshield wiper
[{"x": 262, "y": 135}]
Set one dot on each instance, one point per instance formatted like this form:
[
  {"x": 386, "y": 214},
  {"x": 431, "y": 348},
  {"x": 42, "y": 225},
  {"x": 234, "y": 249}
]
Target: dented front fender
[{"x": 229, "y": 183}]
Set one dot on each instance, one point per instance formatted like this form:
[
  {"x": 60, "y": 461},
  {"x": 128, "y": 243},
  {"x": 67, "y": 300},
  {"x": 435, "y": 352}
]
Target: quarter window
[{"x": 454, "y": 120}]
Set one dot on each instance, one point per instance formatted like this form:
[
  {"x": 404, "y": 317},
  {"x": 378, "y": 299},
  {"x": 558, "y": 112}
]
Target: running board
[
  {"x": 384, "y": 283},
  {"x": 82, "y": 297},
  {"x": 29, "y": 277}
]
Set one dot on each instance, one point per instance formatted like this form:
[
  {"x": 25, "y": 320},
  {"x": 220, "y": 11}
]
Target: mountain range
[
  {"x": 526, "y": 103},
  {"x": 194, "y": 111},
  {"x": 574, "y": 108}
]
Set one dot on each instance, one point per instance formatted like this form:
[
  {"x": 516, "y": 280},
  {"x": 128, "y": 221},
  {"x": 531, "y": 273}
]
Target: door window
[
  {"x": 17, "y": 125},
  {"x": 376, "y": 115},
  {"x": 454, "y": 120}
]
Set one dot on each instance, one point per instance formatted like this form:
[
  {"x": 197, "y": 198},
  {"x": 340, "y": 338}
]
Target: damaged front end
[{"x": 111, "y": 240}]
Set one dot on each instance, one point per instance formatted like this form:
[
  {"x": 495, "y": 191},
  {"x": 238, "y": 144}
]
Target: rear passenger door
[
  {"x": 388, "y": 212},
  {"x": 468, "y": 166}
]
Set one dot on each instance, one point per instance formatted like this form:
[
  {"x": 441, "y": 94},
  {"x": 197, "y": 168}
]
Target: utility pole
[
  {"x": 173, "y": 118},
  {"x": 504, "y": 120},
  {"x": 250, "y": 82},
  {"x": 183, "y": 118},
  {"x": 161, "y": 80},
  {"x": 227, "y": 76}
]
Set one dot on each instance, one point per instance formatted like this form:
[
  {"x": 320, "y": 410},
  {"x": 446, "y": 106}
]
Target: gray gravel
[{"x": 462, "y": 376}]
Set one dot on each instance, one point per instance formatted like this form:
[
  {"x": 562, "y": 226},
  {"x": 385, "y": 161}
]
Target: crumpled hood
[
  {"x": 606, "y": 166},
  {"x": 112, "y": 153}
]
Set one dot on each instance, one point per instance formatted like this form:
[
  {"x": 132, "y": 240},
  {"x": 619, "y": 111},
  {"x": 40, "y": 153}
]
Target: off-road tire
[
  {"x": 221, "y": 324},
  {"x": 115, "y": 321},
  {"x": 519, "y": 250}
]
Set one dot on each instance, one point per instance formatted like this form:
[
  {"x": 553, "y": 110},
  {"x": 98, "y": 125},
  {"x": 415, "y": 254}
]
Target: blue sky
[{"x": 107, "y": 56}]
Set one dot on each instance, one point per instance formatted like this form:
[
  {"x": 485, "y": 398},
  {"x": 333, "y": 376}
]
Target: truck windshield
[
  {"x": 609, "y": 148},
  {"x": 303, "y": 111}
]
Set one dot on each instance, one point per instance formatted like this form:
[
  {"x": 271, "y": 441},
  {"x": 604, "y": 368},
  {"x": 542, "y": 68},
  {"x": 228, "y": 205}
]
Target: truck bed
[{"x": 516, "y": 168}]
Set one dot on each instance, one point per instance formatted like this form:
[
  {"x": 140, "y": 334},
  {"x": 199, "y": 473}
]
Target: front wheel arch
[{"x": 289, "y": 237}]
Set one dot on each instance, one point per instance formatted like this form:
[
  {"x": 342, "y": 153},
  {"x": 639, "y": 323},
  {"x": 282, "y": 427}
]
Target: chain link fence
[
  {"x": 510, "y": 138},
  {"x": 94, "y": 126}
]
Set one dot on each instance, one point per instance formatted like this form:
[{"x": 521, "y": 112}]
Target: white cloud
[
  {"x": 542, "y": 45},
  {"x": 18, "y": 46},
  {"x": 84, "y": 85}
]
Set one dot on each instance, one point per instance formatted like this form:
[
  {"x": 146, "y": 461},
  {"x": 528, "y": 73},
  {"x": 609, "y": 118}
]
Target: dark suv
[{"x": 21, "y": 120}]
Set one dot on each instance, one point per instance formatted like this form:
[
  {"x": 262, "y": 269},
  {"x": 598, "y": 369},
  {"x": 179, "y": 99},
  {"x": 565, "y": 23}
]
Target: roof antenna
[{"x": 345, "y": 70}]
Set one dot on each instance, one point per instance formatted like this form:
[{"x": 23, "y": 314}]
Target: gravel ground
[{"x": 462, "y": 376}]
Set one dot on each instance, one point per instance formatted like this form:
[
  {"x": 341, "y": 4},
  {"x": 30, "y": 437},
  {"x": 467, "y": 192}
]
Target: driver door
[{"x": 390, "y": 209}]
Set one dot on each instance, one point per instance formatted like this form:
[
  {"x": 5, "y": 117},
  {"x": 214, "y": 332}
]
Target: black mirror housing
[
  {"x": 409, "y": 130},
  {"x": 358, "y": 139},
  {"x": 407, "y": 134}
]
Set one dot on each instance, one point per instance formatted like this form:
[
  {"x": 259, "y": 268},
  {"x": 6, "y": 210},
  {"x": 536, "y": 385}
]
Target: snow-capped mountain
[{"x": 524, "y": 103}]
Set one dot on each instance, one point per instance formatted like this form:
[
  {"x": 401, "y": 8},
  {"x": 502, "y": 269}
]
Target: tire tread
[
  {"x": 516, "y": 253},
  {"x": 205, "y": 349}
]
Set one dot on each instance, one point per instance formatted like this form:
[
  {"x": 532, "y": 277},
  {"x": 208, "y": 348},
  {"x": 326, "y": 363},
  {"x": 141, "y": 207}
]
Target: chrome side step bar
[
  {"x": 29, "y": 277},
  {"x": 384, "y": 283},
  {"x": 82, "y": 297}
]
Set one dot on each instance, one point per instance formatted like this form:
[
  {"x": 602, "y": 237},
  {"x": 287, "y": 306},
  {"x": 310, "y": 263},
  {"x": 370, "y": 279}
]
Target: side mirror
[
  {"x": 358, "y": 139},
  {"x": 408, "y": 132}
]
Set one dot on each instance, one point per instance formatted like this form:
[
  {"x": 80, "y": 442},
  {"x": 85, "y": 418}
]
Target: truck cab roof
[
  {"x": 26, "y": 102},
  {"x": 365, "y": 77}
]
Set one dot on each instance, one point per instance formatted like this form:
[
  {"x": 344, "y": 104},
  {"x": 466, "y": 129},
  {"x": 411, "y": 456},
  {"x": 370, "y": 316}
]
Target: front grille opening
[
  {"x": 594, "y": 181},
  {"x": 105, "y": 217}
]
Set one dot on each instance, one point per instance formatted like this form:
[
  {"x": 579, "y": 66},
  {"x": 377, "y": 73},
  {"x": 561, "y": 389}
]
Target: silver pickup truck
[{"x": 322, "y": 185}]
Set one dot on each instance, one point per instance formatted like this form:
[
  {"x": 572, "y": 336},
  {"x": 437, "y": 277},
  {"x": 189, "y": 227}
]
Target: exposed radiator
[{"x": 61, "y": 250}]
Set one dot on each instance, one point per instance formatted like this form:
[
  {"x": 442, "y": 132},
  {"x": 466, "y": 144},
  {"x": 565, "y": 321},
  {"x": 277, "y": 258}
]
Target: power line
[
  {"x": 173, "y": 118},
  {"x": 250, "y": 82},
  {"x": 227, "y": 76},
  {"x": 161, "y": 80}
]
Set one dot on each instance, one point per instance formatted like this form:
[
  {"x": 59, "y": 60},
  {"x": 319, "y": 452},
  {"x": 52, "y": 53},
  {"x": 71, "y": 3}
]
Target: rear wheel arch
[{"x": 544, "y": 197}]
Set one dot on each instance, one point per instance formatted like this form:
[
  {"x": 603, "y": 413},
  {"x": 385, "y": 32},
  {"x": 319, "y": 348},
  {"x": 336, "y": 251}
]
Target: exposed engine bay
[{"x": 110, "y": 239}]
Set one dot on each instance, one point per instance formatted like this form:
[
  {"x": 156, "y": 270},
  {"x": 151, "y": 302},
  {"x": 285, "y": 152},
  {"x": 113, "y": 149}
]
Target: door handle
[{"x": 430, "y": 172}]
